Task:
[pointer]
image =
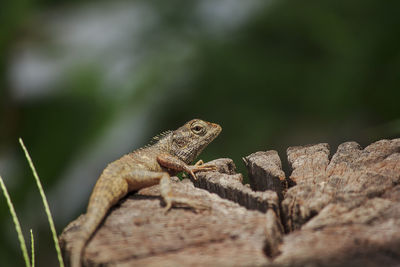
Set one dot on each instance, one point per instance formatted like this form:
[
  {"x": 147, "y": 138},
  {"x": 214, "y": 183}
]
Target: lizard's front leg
[{"x": 175, "y": 164}]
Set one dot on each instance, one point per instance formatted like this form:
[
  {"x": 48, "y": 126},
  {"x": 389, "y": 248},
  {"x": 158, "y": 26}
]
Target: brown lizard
[{"x": 154, "y": 164}]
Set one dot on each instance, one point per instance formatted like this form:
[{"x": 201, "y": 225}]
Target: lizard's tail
[
  {"x": 76, "y": 253},
  {"x": 92, "y": 221},
  {"x": 87, "y": 229},
  {"x": 93, "y": 218},
  {"x": 101, "y": 200}
]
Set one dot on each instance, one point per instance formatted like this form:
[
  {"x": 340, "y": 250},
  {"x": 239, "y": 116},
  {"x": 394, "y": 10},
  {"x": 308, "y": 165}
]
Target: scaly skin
[{"x": 154, "y": 164}]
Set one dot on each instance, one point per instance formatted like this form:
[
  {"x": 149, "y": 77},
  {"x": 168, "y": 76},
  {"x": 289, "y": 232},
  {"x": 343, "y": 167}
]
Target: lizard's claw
[
  {"x": 167, "y": 208},
  {"x": 191, "y": 172},
  {"x": 168, "y": 205},
  {"x": 198, "y": 163}
]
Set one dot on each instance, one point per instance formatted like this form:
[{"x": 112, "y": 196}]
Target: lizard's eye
[{"x": 197, "y": 129}]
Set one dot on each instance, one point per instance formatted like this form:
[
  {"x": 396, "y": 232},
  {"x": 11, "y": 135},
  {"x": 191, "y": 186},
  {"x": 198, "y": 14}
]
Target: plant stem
[
  {"x": 33, "y": 249},
  {"x": 16, "y": 223},
  {"x": 45, "y": 203}
]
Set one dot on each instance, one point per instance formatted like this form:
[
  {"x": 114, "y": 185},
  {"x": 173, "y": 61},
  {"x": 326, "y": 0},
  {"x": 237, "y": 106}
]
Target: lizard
[{"x": 169, "y": 154}]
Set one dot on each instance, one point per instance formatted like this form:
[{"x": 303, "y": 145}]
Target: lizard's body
[{"x": 145, "y": 167}]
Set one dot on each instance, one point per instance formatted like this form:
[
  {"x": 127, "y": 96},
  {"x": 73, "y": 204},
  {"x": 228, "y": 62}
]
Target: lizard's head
[{"x": 189, "y": 140}]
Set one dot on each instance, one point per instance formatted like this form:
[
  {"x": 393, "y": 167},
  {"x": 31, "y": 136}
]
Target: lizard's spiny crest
[{"x": 189, "y": 140}]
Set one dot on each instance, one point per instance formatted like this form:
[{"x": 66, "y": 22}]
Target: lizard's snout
[{"x": 217, "y": 127}]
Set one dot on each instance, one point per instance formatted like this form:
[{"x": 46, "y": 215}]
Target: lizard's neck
[{"x": 167, "y": 145}]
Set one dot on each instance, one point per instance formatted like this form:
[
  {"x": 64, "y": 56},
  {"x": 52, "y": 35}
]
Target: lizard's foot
[
  {"x": 184, "y": 202},
  {"x": 173, "y": 201},
  {"x": 192, "y": 169}
]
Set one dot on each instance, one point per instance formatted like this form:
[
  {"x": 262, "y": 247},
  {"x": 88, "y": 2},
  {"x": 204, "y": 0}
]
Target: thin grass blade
[
  {"x": 45, "y": 203},
  {"x": 16, "y": 223},
  {"x": 32, "y": 249}
]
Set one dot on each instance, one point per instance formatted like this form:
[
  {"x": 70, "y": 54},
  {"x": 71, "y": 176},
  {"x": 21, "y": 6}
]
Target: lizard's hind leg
[
  {"x": 171, "y": 200},
  {"x": 139, "y": 179}
]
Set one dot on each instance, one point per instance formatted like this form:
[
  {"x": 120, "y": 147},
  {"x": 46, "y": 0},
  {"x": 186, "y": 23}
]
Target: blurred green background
[{"x": 83, "y": 82}]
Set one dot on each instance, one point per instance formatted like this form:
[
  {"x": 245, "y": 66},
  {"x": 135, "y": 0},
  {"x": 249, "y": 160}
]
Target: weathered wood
[
  {"x": 343, "y": 211},
  {"x": 229, "y": 186},
  {"x": 308, "y": 163},
  {"x": 138, "y": 233},
  {"x": 347, "y": 213},
  {"x": 352, "y": 175},
  {"x": 265, "y": 172}
]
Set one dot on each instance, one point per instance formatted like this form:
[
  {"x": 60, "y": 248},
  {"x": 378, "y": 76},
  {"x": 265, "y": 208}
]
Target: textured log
[
  {"x": 347, "y": 214},
  {"x": 308, "y": 163},
  {"x": 229, "y": 186},
  {"x": 265, "y": 172},
  {"x": 343, "y": 211},
  {"x": 138, "y": 233},
  {"x": 352, "y": 175}
]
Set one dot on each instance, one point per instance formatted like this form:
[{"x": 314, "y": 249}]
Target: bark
[{"x": 338, "y": 211}]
